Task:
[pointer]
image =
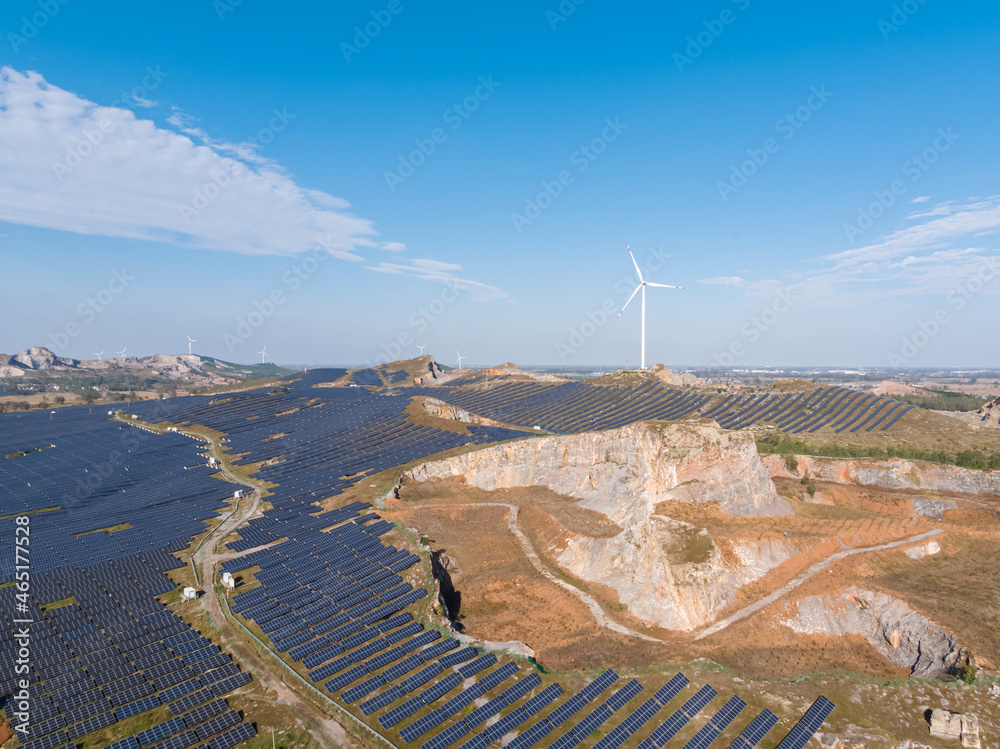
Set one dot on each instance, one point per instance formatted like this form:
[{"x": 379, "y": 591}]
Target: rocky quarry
[
  {"x": 902, "y": 635},
  {"x": 624, "y": 474},
  {"x": 892, "y": 473}
]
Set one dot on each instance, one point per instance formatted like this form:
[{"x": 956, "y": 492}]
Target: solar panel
[
  {"x": 598, "y": 685},
  {"x": 591, "y": 721},
  {"x": 817, "y": 713},
  {"x": 382, "y": 699},
  {"x": 757, "y": 729},
  {"x": 160, "y": 731},
  {"x": 498, "y": 676},
  {"x": 479, "y": 741},
  {"x": 233, "y": 736},
  {"x": 459, "y": 656},
  {"x": 671, "y": 689},
  {"x": 698, "y": 700},
  {"x": 203, "y": 713},
  {"x": 479, "y": 664},
  {"x": 531, "y": 736},
  {"x": 620, "y": 698},
  {"x": 447, "y": 737}
]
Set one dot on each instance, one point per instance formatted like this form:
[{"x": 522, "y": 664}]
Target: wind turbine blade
[
  {"x": 630, "y": 298},
  {"x": 663, "y": 285},
  {"x": 637, "y": 270}
]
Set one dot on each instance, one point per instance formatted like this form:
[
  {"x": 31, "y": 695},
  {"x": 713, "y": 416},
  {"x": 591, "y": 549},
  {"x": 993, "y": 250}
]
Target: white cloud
[
  {"x": 943, "y": 248},
  {"x": 949, "y": 223},
  {"x": 921, "y": 199},
  {"x": 728, "y": 281},
  {"x": 434, "y": 270},
  {"x": 70, "y": 164}
]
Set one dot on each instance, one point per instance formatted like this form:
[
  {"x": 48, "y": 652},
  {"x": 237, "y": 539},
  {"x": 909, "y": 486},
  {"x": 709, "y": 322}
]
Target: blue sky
[{"x": 744, "y": 149}]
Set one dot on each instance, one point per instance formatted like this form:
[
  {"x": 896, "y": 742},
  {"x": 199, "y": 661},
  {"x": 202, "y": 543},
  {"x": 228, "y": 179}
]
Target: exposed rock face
[
  {"x": 893, "y": 473},
  {"x": 933, "y": 508},
  {"x": 989, "y": 414},
  {"x": 39, "y": 357},
  {"x": 443, "y": 410},
  {"x": 670, "y": 377},
  {"x": 926, "y": 550},
  {"x": 905, "y": 637},
  {"x": 624, "y": 473},
  {"x": 955, "y": 726}
]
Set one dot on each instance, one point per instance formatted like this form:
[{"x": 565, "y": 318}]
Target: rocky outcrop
[
  {"x": 905, "y": 637},
  {"x": 924, "y": 550},
  {"x": 955, "y": 726},
  {"x": 442, "y": 410},
  {"x": 989, "y": 414},
  {"x": 39, "y": 357},
  {"x": 665, "y": 571},
  {"x": 893, "y": 473},
  {"x": 669, "y": 377},
  {"x": 624, "y": 472}
]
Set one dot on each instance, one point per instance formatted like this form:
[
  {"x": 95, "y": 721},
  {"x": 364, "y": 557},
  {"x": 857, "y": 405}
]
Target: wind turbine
[
  {"x": 642, "y": 285},
  {"x": 99, "y": 356},
  {"x": 422, "y": 349},
  {"x": 121, "y": 354},
  {"x": 190, "y": 341},
  {"x": 460, "y": 357},
  {"x": 263, "y": 353}
]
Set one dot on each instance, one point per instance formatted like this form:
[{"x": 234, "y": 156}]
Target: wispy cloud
[
  {"x": 728, "y": 281},
  {"x": 941, "y": 247},
  {"x": 73, "y": 165},
  {"x": 434, "y": 270}
]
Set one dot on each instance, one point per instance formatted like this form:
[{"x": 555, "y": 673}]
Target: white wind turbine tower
[
  {"x": 99, "y": 356},
  {"x": 460, "y": 357},
  {"x": 642, "y": 285},
  {"x": 263, "y": 353},
  {"x": 190, "y": 341},
  {"x": 422, "y": 349},
  {"x": 121, "y": 354}
]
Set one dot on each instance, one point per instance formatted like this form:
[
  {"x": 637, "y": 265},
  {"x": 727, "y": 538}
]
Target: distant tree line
[
  {"x": 944, "y": 401},
  {"x": 779, "y": 444}
]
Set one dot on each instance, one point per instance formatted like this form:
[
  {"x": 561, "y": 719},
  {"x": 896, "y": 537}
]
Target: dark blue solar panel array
[
  {"x": 755, "y": 731},
  {"x": 581, "y": 406},
  {"x": 818, "y": 712}
]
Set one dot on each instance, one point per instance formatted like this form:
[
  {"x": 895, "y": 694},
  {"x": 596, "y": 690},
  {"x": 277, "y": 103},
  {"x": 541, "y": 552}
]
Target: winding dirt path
[
  {"x": 802, "y": 577},
  {"x": 529, "y": 551}
]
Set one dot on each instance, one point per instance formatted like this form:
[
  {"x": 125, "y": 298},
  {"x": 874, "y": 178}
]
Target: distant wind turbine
[
  {"x": 642, "y": 285},
  {"x": 460, "y": 357},
  {"x": 263, "y": 353},
  {"x": 99, "y": 355},
  {"x": 121, "y": 354},
  {"x": 190, "y": 341},
  {"x": 422, "y": 349}
]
